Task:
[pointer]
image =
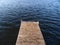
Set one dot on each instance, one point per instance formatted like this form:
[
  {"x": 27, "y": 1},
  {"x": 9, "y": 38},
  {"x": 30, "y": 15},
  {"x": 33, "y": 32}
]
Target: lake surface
[{"x": 46, "y": 12}]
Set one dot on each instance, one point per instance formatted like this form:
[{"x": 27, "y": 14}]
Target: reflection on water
[{"x": 48, "y": 14}]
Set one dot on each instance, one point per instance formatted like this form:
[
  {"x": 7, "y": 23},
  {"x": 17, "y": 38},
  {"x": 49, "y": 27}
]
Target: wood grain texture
[{"x": 30, "y": 34}]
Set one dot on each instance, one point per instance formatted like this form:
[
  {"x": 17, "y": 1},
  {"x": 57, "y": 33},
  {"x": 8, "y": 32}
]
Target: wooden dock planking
[{"x": 30, "y": 34}]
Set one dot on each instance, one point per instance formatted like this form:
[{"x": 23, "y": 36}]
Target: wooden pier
[{"x": 30, "y": 34}]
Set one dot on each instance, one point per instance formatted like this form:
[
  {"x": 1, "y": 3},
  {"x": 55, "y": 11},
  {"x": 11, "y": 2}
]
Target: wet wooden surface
[{"x": 30, "y": 34}]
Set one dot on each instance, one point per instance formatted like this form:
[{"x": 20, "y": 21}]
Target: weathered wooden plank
[{"x": 30, "y": 34}]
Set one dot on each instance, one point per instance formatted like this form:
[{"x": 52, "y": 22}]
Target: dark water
[{"x": 47, "y": 12}]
